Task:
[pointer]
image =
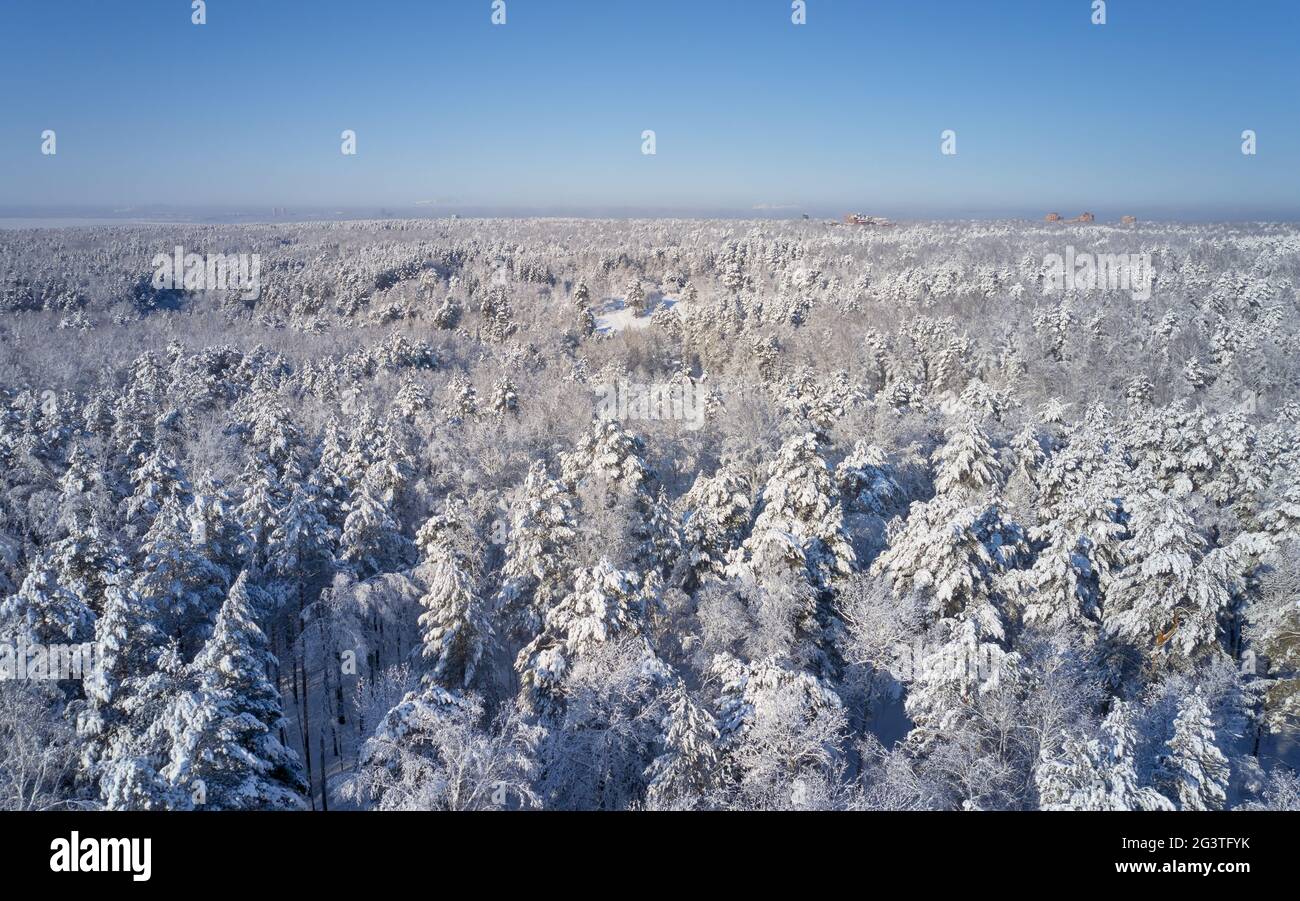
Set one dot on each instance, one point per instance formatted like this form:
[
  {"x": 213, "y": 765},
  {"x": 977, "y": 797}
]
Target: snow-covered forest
[{"x": 913, "y": 533}]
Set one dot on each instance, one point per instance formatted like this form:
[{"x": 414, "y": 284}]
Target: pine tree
[
  {"x": 611, "y": 455},
  {"x": 581, "y": 295},
  {"x": 950, "y": 553},
  {"x": 800, "y": 524},
  {"x": 157, "y": 707},
  {"x": 865, "y": 480},
  {"x": 1168, "y": 598},
  {"x": 537, "y": 572},
  {"x": 448, "y": 314},
  {"x": 84, "y": 560},
  {"x": 602, "y": 605},
  {"x": 636, "y": 299},
  {"x": 153, "y": 482},
  {"x": 129, "y": 641},
  {"x": 505, "y": 397},
  {"x": 174, "y": 577},
  {"x": 457, "y": 631},
  {"x": 411, "y": 399},
  {"x": 1079, "y": 553},
  {"x": 1097, "y": 773},
  {"x": 229, "y": 742},
  {"x": 214, "y": 531},
  {"x": 1193, "y": 770},
  {"x": 302, "y": 542},
  {"x": 269, "y": 428},
  {"x": 967, "y": 462},
  {"x": 686, "y": 773},
  {"x": 45, "y": 612},
  {"x": 259, "y": 511},
  {"x": 462, "y": 400},
  {"x": 718, "y": 513},
  {"x": 371, "y": 541}
]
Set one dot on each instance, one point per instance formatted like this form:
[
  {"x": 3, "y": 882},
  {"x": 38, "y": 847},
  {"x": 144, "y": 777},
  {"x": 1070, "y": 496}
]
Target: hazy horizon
[{"x": 149, "y": 214}]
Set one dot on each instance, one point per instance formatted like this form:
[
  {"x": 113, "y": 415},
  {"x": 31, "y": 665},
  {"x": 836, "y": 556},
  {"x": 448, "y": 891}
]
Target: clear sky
[{"x": 751, "y": 112}]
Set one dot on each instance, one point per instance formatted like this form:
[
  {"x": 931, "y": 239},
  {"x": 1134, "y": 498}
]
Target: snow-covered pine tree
[
  {"x": 371, "y": 541},
  {"x": 128, "y": 642},
  {"x": 951, "y": 553},
  {"x": 411, "y": 398},
  {"x": 45, "y": 612},
  {"x": 302, "y": 542},
  {"x": 686, "y": 772},
  {"x": 636, "y": 298},
  {"x": 539, "y": 548},
  {"x": 581, "y": 295},
  {"x": 1097, "y": 773},
  {"x": 230, "y": 739},
  {"x": 800, "y": 524},
  {"x": 1193, "y": 770},
  {"x": 84, "y": 559},
  {"x": 505, "y": 397},
  {"x": 866, "y": 481},
  {"x": 462, "y": 400},
  {"x": 456, "y": 627},
  {"x": 718, "y": 511},
  {"x": 153, "y": 482},
  {"x": 259, "y": 511},
  {"x": 966, "y": 462},
  {"x": 158, "y": 707},
  {"x": 604, "y": 603},
  {"x": 1079, "y": 551},
  {"x": 175, "y": 580},
  {"x": 1164, "y": 600}
]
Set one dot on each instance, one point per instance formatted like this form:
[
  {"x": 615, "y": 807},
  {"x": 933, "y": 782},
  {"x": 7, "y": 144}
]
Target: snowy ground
[{"x": 613, "y": 315}]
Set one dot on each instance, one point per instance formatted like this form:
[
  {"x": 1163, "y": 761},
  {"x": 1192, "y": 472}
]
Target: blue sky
[{"x": 545, "y": 113}]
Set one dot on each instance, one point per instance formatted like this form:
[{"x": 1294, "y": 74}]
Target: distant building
[
  {"x": 863, "y": 219},
  {"x": 1053, "y": 217},
  {"x": 1128, "y": 220},
  {"x": 1084, "y": 217}
]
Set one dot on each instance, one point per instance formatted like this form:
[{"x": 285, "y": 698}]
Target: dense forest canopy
[{"x": 886, "y": 518}]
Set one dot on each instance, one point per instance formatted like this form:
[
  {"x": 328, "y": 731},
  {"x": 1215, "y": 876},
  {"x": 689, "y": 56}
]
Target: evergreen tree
[
  {"x": 128, "y": 641},
  {"x": 371, "y": 541},
  {"x": 718, "y": 513},
  {"x": 537, "y": 572},
  {"x": 865, "y": 480},
  {"x": 1079, "y": 553},
  {"x": 1097, "y": 773},
  {"x": 602, "y": 605},
  {"x": 967, "y": 462},
  {"x": 951, "y": 553},
  {"x": 1193, "y": 769},
  {"x": 175, "y": 578},
  {"x": 686, "y": 773},
  {"x": 45, "y": 612},
  {"x": 229, "y": 742},
  {"x": 302, "y": 543},
  {"x": 153, "y": 482},
  {"x": 457, "y": 631},
  {"x": 1165, "y": 600},
  {"x": 800, "y": 523}
]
